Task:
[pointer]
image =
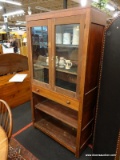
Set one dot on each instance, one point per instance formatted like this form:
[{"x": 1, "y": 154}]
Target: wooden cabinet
[
  {"x": 3, "y": 37},
  {"x": 64, "y": 50}
]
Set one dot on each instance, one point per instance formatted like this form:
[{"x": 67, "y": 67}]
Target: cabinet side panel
[
  {"x": 91, "y": 81},
  {"x": 93, "y": 57},
  {"x": 97, "y": 16},
  {"x": 88, "y": 109}
]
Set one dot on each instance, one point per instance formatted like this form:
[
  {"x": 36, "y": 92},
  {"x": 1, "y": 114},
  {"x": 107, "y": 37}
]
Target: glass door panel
[
  {"x": 40, "y": 53},
  {"x": 66, "y": 49}
]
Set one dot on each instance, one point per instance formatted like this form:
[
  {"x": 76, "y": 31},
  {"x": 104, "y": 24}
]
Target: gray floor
[{"x": 43, "y": 147}]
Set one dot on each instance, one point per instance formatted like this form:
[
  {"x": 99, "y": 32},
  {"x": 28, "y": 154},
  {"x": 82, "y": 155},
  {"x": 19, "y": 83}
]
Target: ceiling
[{"x": 36, "y": 5}]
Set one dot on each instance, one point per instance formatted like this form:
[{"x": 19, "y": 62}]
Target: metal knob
[
  {"x": 68, "y": 102},
  {"x": 37, "y": 90}
]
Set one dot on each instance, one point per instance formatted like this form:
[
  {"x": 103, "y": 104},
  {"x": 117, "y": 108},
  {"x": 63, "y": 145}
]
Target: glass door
[
  {"x": 40, "y": 53},
  {"x": 67, "y": 52},
  {"x": 67, "y": 42}
]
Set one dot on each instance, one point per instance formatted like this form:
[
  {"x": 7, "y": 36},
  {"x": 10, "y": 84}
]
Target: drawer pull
[
  {"x": 68, "y": 102},
  {"x": 37, "y": 90}
]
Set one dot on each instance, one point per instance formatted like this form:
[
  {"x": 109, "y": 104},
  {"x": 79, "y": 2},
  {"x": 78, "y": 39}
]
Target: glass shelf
[{"x": 66, "y": 45}]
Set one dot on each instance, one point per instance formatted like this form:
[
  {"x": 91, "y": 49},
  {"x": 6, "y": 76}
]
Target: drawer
[{"x": 57, "y": 97}]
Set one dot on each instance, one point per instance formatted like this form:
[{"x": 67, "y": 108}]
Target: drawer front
[{"x": 59, "y": 98}]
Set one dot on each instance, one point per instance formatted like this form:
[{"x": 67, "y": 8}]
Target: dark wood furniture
[
  {"x": 3, "y": 37},
  {"x": 14, "y": 93},
  {"x": 63, "y": 99}
]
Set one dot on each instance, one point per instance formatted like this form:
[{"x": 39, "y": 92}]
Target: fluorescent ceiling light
[
  {"x": 111, "y": 8},
  {"x": 96, "y": 1},
  {"x": 117, "y": 13},
  {"x": 15, "y": 28},
  {"x": 42, "y": 8},
  {"x": 13, "y": 13},
  {"x": 83, "y": 3},
  {"x": 11, "y": 2},
  {"x": 23, "y": 27},
  {"x": 20, "y": 22}
]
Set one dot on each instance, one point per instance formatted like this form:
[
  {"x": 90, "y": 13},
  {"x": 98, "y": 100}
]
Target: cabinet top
[{"x": 91, "y": 12}]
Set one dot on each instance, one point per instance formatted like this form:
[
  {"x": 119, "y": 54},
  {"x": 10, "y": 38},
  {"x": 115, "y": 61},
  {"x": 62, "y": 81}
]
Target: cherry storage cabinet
[{"x": 64, "y": 54}]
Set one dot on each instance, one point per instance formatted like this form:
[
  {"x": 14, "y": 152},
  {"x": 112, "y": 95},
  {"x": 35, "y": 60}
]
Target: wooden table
[
  {"x": 3, "y": 144},
  {"x": 15, "y": 93}
]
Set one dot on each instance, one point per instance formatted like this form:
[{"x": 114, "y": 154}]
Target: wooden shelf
[
  {"x": 63, "y": 134},
  {"x": 59, "y": 112},
  {"x": 72, "y": 70}
]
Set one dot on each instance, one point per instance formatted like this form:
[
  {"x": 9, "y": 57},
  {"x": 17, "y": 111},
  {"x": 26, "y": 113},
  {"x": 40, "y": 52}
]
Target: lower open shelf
[
  {"x": 60, "y": 132},
  {"x": 58, "y": 111}
]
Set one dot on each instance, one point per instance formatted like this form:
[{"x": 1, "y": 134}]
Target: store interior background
[
  {"x": 14, "y": 24},
  {"x": 13, "y": 13}
]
